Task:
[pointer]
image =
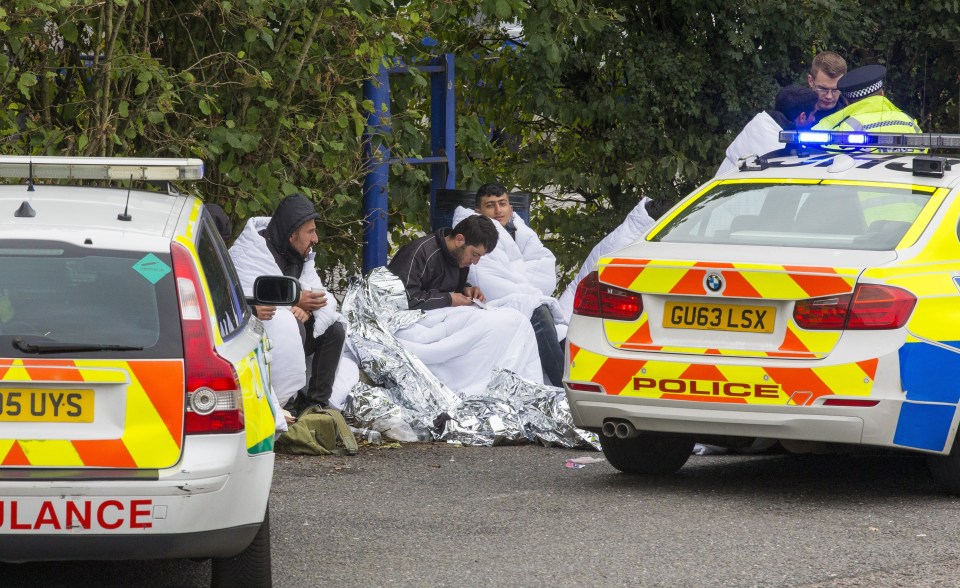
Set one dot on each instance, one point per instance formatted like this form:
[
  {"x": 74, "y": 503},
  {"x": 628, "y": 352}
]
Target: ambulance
[
  {"x": 135, "y": 413},
  {"x": 811, "y": 296}
]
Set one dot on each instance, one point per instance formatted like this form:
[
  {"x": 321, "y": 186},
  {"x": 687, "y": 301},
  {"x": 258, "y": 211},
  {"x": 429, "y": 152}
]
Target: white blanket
[
  {"x": 462, "y": 345},
  {"x": 252, "y": 258},
  {"x": 631, "y": 229},
  {"x": 519, "y": 274},
  {"x": 760, "y": 136}
]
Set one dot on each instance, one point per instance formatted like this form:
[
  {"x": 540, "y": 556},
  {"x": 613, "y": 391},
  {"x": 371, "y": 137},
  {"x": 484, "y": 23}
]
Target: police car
[
  {"x": 810, "y": 296},
  {"x": 135, "y": 414}
]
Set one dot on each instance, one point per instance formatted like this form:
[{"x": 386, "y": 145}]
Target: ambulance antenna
[{"x": 123, "y": 216}]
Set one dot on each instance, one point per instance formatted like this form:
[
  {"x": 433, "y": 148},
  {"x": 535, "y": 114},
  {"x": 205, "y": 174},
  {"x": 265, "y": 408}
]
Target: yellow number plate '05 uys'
[
  {"x": 719, "y": 317},
  {"x": 39, "y": 405}
]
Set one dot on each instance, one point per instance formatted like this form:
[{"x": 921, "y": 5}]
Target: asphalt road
[{"x": 437, "y": 515}]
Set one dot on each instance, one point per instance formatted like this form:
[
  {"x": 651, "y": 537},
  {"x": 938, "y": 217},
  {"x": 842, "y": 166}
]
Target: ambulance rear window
[
  {"x": 831, "y": 216},
  {"x": 56, "y": 293}
]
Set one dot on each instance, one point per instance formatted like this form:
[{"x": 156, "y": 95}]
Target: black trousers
[
  {"x": 551, "y": 352},
  {"x": 323, "y": 353}
]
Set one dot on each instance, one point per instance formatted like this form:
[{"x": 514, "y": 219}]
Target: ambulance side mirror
[{"x": 275, "y": 291}]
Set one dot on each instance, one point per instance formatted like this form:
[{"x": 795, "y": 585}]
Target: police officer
[{"x": 866, "y": 107}]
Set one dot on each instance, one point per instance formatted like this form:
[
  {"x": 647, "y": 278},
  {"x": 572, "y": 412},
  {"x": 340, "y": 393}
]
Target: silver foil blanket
[{"x": 408, "y": 403}]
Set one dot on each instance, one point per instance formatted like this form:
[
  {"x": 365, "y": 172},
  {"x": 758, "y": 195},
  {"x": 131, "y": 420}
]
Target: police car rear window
[
  {"x": 54, "y": 293},
  {"x": 831, "y": 216}
]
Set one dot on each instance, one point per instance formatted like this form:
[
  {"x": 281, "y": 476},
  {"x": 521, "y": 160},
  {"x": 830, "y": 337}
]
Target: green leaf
[
  {"x": 267, "y": 37},
  {"x": 69, "y": 32},
  {"x": 26, "y": 81},
  {"x": 204, "y": 107},
  {"x": 124, "y": 109},
  {"x": 155, "y": 117}
]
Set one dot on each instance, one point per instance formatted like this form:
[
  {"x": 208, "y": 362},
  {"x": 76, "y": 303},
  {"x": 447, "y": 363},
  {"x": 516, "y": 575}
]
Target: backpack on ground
[{"x": 318, "y": 431}]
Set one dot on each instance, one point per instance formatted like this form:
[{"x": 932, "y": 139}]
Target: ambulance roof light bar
[
  {"x": 100, "y": 168},
  {"x": 871, "y": 140}
]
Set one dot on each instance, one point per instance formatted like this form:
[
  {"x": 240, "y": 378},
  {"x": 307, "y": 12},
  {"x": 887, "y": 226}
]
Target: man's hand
[
  {"x": 459, "y": 299},
  {"x": 311, "y": 301},
  {"x": 265, "y": 313},
  {"x": 474, "y": 292},
  {"x": 301, "y": 314}
]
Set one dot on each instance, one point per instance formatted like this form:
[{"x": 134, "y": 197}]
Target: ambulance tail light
[
  {"x": 599, "y": 300},
  {"x": 213, "y": 399},
  {"x": 870, "y": 307}
]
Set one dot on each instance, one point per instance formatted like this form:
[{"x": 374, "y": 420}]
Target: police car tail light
[
  {"x": 599, "y": 300},
  {"x": 213, "y": 401},
  {"x": 880, "y": 307},
  {"x": 828, "y": 313},
  {"x": 870, "y": 307}
]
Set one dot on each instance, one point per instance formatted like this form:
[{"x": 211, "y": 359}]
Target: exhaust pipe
[
  {"x": 609, "y": 429},
  {"x": 625, "y": 430}
]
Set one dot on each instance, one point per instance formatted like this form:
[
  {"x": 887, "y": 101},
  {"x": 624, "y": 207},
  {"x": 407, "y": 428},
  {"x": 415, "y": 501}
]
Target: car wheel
[
  {"x": 251, "y": 567},
  {"x": 647, "y": 453},
  {"x": 945, "y": 469}
]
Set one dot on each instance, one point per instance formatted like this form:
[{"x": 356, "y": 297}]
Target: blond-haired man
[{"x": 825, "y": 71}]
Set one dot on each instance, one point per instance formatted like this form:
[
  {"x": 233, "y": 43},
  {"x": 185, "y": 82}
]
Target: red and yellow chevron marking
[
  {"x": 148, "y": 433},
  {"x": 743, "y": 280},
  {"x": 721, "y": 383}
]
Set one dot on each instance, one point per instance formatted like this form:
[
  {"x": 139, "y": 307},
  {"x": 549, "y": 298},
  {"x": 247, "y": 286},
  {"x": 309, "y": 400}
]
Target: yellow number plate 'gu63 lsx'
[{"x": 719, "y": 317}]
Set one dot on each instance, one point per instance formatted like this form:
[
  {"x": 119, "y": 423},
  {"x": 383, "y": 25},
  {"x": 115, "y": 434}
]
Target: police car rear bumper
[{"x": 873, "y": 426}]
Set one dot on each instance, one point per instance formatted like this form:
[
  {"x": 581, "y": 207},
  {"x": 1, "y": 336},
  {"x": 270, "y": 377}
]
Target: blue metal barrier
[{"x": 442, "y": 160}]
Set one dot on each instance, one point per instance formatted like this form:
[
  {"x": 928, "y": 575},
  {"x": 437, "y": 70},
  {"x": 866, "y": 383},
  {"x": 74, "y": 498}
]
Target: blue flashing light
[
  {"x": 813, "y": 137},
  {"x": 857, "y": 139}
]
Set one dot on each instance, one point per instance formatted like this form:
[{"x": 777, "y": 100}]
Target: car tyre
[
  {"x": 648, "y": 453},
  {"x": 251, "y": 567},
  {"x": 945, "y": 469}
]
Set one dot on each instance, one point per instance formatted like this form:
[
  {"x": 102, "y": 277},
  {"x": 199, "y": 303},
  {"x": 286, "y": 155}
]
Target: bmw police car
[
  {"x": 811, "y": 296},
  {"x": 135, "y": 416}
]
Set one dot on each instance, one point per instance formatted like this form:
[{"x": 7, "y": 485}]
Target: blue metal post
[
  {"x": 376, "y": 182},
  {"x": 443, "y": 128}
]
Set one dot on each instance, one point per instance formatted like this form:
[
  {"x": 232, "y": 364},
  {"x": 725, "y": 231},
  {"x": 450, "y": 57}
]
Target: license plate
[
  {"x": 719, "y": 317},
  {"x": 38, "y": 405}
]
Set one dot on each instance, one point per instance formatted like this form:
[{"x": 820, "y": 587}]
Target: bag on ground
[{"x": 318, "y": 431}]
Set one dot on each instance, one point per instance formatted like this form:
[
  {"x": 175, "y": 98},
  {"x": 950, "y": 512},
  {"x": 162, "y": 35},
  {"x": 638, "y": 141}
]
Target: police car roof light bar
[
  {"x": 100, "y": 168},
  {"x": 870, "y": 140}
]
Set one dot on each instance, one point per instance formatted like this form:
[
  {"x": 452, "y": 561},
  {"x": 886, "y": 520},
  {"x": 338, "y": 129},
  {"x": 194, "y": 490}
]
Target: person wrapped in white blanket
[
  {"x": 633, "y": 226},
  {"x": 520, "y": 273},
  {"x": 283, "y": 244},
  {"x": 794, "y": 108},
  {"x": 458, "y": 340}
]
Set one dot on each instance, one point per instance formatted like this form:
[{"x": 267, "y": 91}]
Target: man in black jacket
[{"x": 434, "y": 268}]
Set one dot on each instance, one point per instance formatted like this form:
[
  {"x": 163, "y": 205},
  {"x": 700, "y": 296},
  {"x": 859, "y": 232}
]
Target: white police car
[
  {"x": 135, "y": 414},
  {"x": 810, "y": 296}
]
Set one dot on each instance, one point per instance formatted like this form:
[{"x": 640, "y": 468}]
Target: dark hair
[
  {"x": 794, "y": 100},
  {"x": 220, "y": 220},
  {"x": 477, "y": 230},
  {"x": 491, "y": 189}
]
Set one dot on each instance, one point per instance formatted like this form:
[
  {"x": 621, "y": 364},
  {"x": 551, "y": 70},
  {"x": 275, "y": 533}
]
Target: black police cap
[{"x": 862, "y": 82}]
